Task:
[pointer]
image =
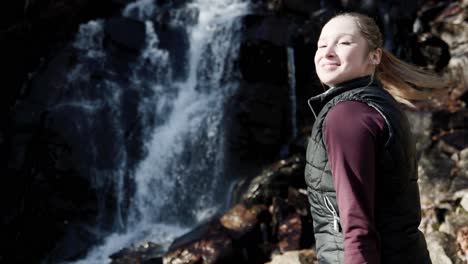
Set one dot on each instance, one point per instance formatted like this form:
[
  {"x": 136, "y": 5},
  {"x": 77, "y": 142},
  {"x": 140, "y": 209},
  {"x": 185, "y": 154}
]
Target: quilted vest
[{"x": 397, "y": 207}]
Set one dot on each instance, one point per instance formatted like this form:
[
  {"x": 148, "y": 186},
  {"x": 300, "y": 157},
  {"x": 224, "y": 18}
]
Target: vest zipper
[
  {"x": 311, "y": 108},
  {"x": 332, "y": 210}
]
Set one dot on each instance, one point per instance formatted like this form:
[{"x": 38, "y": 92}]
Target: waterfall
[
  {"x": 179, "y": 182},
  {"x": 292, "y": 90},
  {"x": 94, "y": 114}
]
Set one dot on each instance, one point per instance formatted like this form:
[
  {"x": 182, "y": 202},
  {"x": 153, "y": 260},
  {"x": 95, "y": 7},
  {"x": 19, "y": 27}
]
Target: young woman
[{"x": 361, "y": 169}]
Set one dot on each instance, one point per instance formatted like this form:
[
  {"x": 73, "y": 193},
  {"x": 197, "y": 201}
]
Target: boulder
[
  {"x": 305, "y": 256},
  {"x": 235, "y": 237},
  {"x": 119, "y": 30},
  {"x": 239, "y": 219},
  {"x": 442, "y": 248},
  {"x": 462, "y": 241},
  {"x": 206, "y": 244},
  {"x": 145, "y": 252},
  {"x": 273, "y": 181}
]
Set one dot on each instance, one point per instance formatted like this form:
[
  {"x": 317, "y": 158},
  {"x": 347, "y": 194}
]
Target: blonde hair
[{"x": 402, "y": 80}]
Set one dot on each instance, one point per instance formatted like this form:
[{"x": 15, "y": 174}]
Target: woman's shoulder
[
  {"x": 352, "y": 109},
  {"x": 353, "y": 115}
]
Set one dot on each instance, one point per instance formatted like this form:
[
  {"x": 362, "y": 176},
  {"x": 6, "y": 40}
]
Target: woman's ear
[{"x": 375, "y": 56}]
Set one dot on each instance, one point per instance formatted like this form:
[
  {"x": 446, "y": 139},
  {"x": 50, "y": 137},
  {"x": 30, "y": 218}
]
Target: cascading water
[
  {"x": 96, "y": 111},
  {"x": 179, "y": 183},
  {"x": 292, "y": 90}
]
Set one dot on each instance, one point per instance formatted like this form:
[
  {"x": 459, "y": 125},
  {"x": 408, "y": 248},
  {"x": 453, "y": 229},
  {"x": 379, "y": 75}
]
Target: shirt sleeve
[{"x": 353, "y": 133}]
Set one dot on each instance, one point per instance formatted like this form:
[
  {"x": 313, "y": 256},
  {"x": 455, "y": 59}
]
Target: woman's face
[{"x": 342, "y": 52}]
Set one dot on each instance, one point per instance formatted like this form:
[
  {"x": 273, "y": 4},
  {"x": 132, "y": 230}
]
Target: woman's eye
[
  {"x": 322, "y": 46},
  {"x": 345, "y": 43}
]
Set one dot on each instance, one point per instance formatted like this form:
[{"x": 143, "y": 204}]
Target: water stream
[{"x": 180, "y": 181}]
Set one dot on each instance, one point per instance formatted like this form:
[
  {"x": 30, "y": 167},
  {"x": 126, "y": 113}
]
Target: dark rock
[
  {"x": 454, "y": 221},
  {"x": 46, "y": 87},
  {"x": 301, "y": 6},
  {"x": 126, "y": 33},
  {"x": 208, "y": 246},
  {"x": 237, "y": 237},
  {"x": 432, "y": 52},
  {"x": 174, "y": 39},
  {"x": 441, "y": 248},
  {"x": 263, "y": 62},
  {"x": 32, "y": 31},
  {"x": 445, "y": 122},
  {"x": 291, "y": 222},
  {"x": 239, "y": 219},
  {"x": 273, "y": 181},
  {"x": 173, "y": 3},
  {"x": 272, "y": 29},
  {"x": 435, "y": 177},
  {"x": 298, "y": 200},
  {"x": 454, "y": 141},
  {"x": 421, "y": 128},
  {"x": 263, "y": 55},
  {"x": 450, "y": 25},
  {"x": 289, "y": 227},
  {"x": 257, "y": 126},
  {"x": 288, "y": 7},
  {"x": 428, "y": 13},
  {"x": 145, "y": 253},
  {"x": 462, "y": 241},
  {"x": 304, "y": 256},
  {"x": 430, "y": 220},
  {"x": 47, "y": 204},
  {"x": 73, "y": 244},
  {"x": 121, "y": 50}
]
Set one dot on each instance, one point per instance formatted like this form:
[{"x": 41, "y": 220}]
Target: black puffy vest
[{"x": 397, "y": 207}]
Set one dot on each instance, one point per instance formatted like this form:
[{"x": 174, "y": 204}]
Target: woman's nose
[{"x": 329, "y": 51}]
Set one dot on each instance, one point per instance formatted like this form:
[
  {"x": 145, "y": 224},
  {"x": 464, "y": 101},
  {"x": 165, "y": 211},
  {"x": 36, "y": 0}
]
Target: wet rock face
[
  {"x": 46, "y": 153},
  {"x": 32, "y": 30},
  {"x": 47, "y": 201},
  {"x": 253, "y": 135}
]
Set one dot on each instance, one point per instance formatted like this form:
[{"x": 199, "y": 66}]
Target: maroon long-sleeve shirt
[{"x": 354, "y": 133}]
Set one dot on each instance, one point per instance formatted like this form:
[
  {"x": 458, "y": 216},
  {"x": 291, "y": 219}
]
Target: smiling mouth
[{"x": 329, "y": 66}]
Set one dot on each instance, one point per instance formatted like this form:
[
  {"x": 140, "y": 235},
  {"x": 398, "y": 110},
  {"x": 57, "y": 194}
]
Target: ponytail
[{"x": 407, "y": 82}]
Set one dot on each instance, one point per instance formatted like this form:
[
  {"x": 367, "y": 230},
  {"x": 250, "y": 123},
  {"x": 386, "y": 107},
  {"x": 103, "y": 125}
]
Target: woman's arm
[{"x": 353, "y": 134}]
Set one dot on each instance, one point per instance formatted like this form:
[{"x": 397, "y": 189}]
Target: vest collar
[{"x": 317, "y": 102}]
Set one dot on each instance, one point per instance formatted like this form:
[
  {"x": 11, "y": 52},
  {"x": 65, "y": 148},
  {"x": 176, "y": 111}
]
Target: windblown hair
[{"x": 405, "y": 82}]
